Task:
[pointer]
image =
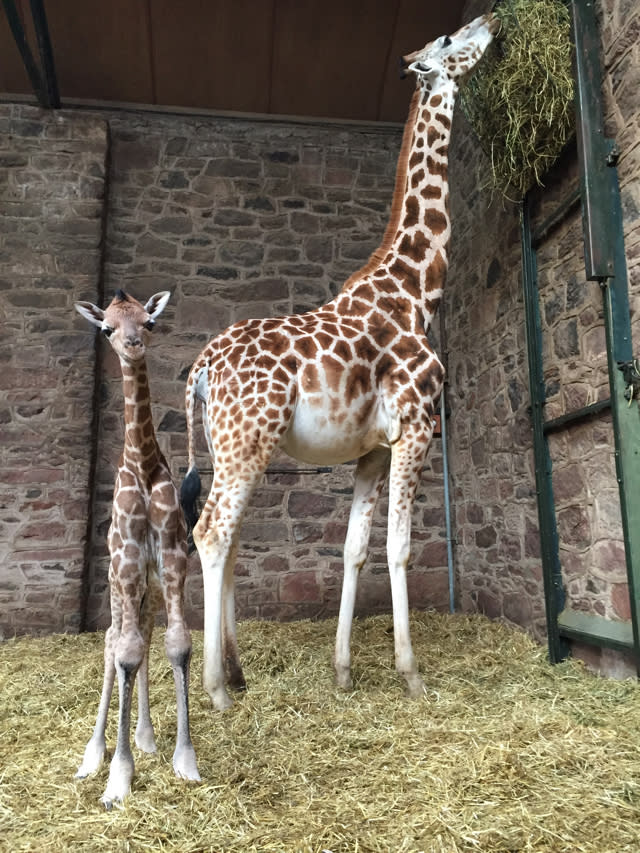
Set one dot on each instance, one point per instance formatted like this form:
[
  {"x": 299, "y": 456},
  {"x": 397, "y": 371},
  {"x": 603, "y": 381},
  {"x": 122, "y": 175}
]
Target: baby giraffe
[{"x": 147, "y": 545}]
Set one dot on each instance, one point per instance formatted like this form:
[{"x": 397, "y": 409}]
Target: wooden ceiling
[{"x": 336, "y": 59}]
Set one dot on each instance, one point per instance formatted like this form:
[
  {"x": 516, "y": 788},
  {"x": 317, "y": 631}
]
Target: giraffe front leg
[
  {"x": 96, "y": 747},
  {"x": 129, "y": 653},
  {"x": 178, "y": 647},
  {"x": 370, "y": 475},
  {"x": 185, "y": 765},
  {"x": 407, "y": 459}
]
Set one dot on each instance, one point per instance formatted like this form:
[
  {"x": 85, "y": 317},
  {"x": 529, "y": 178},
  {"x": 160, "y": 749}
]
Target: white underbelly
[{"x": 316, "y": 436}]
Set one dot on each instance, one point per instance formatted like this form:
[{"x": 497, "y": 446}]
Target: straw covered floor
[
  {"x": 503, "y": 753},
  {"x": 519, "y": 100}
]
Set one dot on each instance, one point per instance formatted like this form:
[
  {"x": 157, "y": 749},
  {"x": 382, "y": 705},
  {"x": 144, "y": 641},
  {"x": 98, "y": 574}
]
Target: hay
[
  {"x": 504, "y": 753},
  {"x": 520, "y": 99}
]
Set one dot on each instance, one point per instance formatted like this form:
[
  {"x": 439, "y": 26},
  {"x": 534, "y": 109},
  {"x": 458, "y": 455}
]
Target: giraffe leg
[
  {"x": 371, "y": 473},
  {"x": 145, "y": 737},
  {"x": 178, "y": 647},
  {"x": 129, "y": 652},
  {"x": 407, "y": 459},
  {"x": 96, "y": 747},
  {"x": 215, "y": 535},
  {"x": 230, "y": 652}
]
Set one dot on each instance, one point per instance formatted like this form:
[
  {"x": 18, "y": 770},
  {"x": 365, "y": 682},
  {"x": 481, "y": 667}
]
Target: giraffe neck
[
  {"x": 141, "y": 449},
  {"x": 412, "y": 257}
]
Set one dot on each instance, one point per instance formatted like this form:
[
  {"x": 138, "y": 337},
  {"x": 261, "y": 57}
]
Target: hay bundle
[
  {"x": 520, "y": 99},
  {"x": 504, "y": 753}
]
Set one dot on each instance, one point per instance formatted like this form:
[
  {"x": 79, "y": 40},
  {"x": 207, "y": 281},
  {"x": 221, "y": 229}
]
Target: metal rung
[
  {"x": 595, "y": 630},
  {"x": 574, "y": 417}
]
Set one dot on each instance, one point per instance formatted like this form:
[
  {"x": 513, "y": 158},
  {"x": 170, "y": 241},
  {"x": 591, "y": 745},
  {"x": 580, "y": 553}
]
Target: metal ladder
[{"x": 605, "y": 263}]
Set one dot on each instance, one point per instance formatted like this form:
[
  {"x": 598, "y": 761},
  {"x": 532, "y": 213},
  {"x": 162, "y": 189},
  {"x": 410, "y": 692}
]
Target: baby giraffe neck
[{"x": 140, "y": 446}]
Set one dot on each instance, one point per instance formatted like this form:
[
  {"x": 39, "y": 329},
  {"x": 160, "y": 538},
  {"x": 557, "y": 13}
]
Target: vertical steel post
[
  {"x": 592, "y": 146},
  {"x": 549, "y": 546}
]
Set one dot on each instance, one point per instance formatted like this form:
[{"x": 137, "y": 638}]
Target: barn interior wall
[
  {"x": 52, "y": 183},
  {"x": 237, "y": 219},
  {"x": 497, "y": 556}
]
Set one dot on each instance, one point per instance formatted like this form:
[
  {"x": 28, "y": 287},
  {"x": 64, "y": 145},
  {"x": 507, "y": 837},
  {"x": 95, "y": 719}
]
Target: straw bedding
[
  {"x": 504, "y": 752},
  {"x": 519, "y": 100}
]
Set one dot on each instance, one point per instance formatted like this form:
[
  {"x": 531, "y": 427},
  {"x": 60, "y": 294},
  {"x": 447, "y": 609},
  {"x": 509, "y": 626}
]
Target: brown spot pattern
[
  {"x": 435, "y": 220},
  {"x": 412, "y": 208}
]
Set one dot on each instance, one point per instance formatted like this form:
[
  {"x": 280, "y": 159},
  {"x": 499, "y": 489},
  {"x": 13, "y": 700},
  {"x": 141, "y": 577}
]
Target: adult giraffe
[{"x": 353, "y": 379}]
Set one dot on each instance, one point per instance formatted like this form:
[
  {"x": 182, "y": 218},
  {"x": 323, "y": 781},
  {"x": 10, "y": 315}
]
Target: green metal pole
[
  {"x": 551, "y": 568},
  {"x": 625, "y": 412}
]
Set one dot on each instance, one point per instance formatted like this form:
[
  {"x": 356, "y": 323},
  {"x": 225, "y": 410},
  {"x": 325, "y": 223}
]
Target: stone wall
[
  {"x": 497, "y": 556},
  {"x": 52, "y": 182},
  {"x": 237, "y": 219}
]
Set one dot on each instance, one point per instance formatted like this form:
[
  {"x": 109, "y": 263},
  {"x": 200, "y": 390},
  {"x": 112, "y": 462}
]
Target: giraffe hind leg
[
  {"x": 230, "y": 651},
  {"x": 371, "y": 474},
  {"x": 215, "y": 536},
  {"x": 144, "y": 735}
]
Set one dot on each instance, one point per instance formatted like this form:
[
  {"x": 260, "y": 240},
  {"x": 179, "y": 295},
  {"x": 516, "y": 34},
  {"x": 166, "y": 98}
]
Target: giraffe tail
[
  {"x": 189, "y": 492},
  {"x": 191, "y": 485}
]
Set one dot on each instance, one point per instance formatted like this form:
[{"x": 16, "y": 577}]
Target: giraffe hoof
[
  {"x": 184, "y": 764},
  {"x": 415, "y": 686},
  {"x": 343, "y": 678},
  {"x": 145, "y": 740},
  {"x": 220, "y": 699},
  {"x": 92, "y": 760}
]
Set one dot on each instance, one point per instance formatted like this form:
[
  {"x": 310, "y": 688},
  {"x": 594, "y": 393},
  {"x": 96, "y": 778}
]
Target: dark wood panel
[
  {"x": 330, "y": 56},
  {"x": 13, "y": 77},
  {"x": 417, "y": 24},
  {"x": 213, "y": 54},
  {"x": 101, "y": 49}
]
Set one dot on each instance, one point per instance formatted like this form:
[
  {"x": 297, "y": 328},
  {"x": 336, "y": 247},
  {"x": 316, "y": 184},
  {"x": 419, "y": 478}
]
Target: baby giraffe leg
[
  {"x": 96, "y": 747},
  {"x": 178, "y": 647},
  {"x": 129, "y": 653},
  {"x": 145, "y": 737}
]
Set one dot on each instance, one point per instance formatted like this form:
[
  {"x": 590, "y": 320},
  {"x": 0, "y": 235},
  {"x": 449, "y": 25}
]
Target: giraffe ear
[
  {"x": 157, "y": 303},
  {"x": 91, "y": 312}
]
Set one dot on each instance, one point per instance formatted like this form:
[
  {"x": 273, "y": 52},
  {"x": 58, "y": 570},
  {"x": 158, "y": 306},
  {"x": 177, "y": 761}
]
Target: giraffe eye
[
  {"x": 149, "y": 325},
  {"x": 107, "y": 331},
  {"x": 446, "y": 41}
]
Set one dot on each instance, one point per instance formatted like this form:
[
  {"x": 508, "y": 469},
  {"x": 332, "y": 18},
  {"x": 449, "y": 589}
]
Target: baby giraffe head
[
  {"x": 126, "y": 322},
  {"x": 450, "y": 58}
]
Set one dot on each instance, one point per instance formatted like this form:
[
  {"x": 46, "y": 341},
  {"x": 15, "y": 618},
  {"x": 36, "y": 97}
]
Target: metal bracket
[
  {"x": 614, "y": 155},
  {"x": 631, "y": 373}
]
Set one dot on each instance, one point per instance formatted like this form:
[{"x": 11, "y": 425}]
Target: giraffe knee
[
  {"x": 177, "y": 643},
  {"x": 129, "y": 651}
]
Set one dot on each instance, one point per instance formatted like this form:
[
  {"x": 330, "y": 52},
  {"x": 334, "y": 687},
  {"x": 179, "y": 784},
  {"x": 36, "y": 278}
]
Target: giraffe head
[
  {"x": 126, "y": 322},
  {"x": 452, "y": 57}
]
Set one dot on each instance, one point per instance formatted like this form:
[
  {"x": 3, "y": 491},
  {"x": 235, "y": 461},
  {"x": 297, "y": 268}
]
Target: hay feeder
[{"x": 519, "y": 101}]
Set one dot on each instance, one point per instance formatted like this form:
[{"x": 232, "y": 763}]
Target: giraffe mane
[
  {"x": 121, "y": 296},
  {"x": 398, "y": 197}
]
